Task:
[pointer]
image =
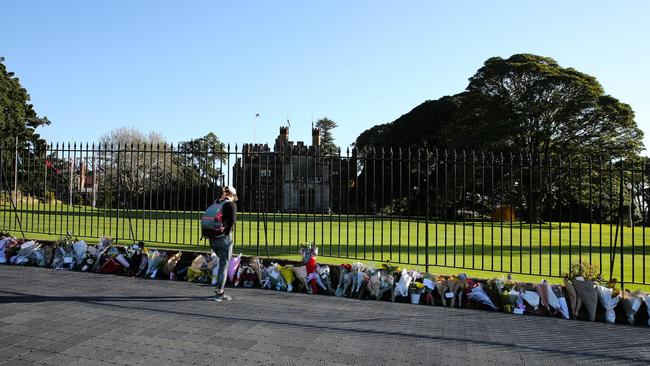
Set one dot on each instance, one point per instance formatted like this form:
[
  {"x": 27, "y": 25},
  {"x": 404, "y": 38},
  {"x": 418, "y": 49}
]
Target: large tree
[
  {"x": 524, "y": 104},
  {"x": 134, "y": 160},
  {"x": 17, "y": 115},
  {"x": 205, "y": 157},
  {"x": 543, "y": 109},
  {"x": 326, "y": 125}
]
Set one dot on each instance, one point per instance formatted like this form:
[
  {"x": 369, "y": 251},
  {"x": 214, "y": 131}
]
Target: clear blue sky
[{"x": 184, "y": 68}]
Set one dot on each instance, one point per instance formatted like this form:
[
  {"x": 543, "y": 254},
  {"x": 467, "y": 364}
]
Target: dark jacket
[{"x": 229, "y": 217}]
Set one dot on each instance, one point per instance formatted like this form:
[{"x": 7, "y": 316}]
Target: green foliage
[
  {"x": 17, "y": 115},
  {"x": 204, "y": 156},
  {"x": 326, "y": 126},
  {"x": 590, "y": 272},
  {"x": 540, "y": 108},
  {"x": 525, "y": 104},
  {"x": 585, "y": 270}
]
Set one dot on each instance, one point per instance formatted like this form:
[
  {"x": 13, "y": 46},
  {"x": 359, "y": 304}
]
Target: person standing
[{"x": 221, "y": 243}]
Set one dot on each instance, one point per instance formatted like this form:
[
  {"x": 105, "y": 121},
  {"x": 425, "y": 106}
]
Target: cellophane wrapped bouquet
[
  {"x": 156, "y": 260},
  {"x": 345, "y": 280},
  {"x": 274, "y": 272}
]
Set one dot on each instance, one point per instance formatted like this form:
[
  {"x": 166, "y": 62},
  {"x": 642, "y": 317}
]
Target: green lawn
[{"x": 479, "y": 248}]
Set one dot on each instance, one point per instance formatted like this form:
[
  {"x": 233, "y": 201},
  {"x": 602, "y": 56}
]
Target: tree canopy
[
  {"x": 326, "y": 125},
  {"x": 17, "y": 115},
  {"x": 205, "y": 155},
  {"x": 526, "y": 104}
]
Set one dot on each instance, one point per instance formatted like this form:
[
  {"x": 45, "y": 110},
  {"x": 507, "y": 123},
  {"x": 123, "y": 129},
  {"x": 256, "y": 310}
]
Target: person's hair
[{"x": 219, "y": 191}]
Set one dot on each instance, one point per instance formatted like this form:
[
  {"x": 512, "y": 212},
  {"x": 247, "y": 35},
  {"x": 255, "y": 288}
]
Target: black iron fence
[{"x": 492, "y": 212}]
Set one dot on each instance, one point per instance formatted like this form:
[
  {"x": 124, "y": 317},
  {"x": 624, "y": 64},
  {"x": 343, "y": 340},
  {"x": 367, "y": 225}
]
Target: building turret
[{"x": 315, "y": 138}]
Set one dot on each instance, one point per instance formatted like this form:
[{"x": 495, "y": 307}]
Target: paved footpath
[{"x": 70, "y": 318}]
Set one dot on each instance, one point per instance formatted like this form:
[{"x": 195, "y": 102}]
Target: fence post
[
  {"x": 15, "y": 199},
  {"x": 622, "y": 223},
  {"x": 426, "y": 227},
  {"x": 117, "y": 219}
]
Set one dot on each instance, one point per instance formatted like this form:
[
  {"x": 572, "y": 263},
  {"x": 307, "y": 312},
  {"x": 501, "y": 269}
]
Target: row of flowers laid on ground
[{"x": 585, "y": 295}]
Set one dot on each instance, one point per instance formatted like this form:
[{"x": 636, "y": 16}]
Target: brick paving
[{"x": 50, "y": 317}]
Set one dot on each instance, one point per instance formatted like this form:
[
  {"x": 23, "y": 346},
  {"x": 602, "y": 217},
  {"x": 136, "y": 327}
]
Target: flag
[{"x": 288, "y": 123}]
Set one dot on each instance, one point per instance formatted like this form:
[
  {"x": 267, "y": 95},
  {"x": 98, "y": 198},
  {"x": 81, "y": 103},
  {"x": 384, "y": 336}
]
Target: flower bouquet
[
  {"x": 402, "y": 286},
  {"x": 531, "y": 298},
  {"x": 3, "y": 243},
  {"x": 169, "y": 266},
  {"x": 275, "y": 275},
  {"x": 588, "y": 295},
  {"x": 509, "y": 299},
  {"x": 38, "y": 256},
  {"x": 574, "y": 301},
  {"x": 324, "y": 279},
  {"x": 289, "y": 276},
  {"x": 478, "y": 294},
  {"x": 646, "y": 300},
  {"x": 24, "y": 252},
  {"x": 358, "y": 270},
  {"x": 300, "y": 273},
  {"x": 198, "y": 271},
  {"x": 583, "y": 278},
  {"x": 260, "y": 271},
  {"x": 79, "y": 249},
  {"x": 64, "y": 253},
  {"x": 63, "y": 258},
  {"x": 345, "y": 280},
  {"x": 631, "y": 302},
  {"x": 248, "y": 278},
  {"x": 553, "y": 303},
  {"x": 455, "y": 285},
  {"x": 372, "y": 279},
  {"x": 156, "y": 260},
  {"x": 12, "y": 246},
  {"x": 429, "y": 282},
  {"x": 138, "y": 260},
  {"x": 387, "y": 284},
  {"x": 89, "y": 259},
  {"x": 105, "y": 244},
  {"x": 131, "y": 258},
  {"x": 441, "y": 287},
  {"x": 179, "y": 270},
  {"x": 609, "y": 298},
  {"x": 415, "y": 290}
]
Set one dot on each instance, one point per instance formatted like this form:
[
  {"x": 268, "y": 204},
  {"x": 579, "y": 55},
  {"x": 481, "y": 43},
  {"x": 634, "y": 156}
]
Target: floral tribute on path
[{"x": 585, "y": 294}]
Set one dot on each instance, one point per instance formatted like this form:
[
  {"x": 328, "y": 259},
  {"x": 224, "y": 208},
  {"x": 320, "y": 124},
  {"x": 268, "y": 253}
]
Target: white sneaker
[{"x": 222, "y": 297}]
